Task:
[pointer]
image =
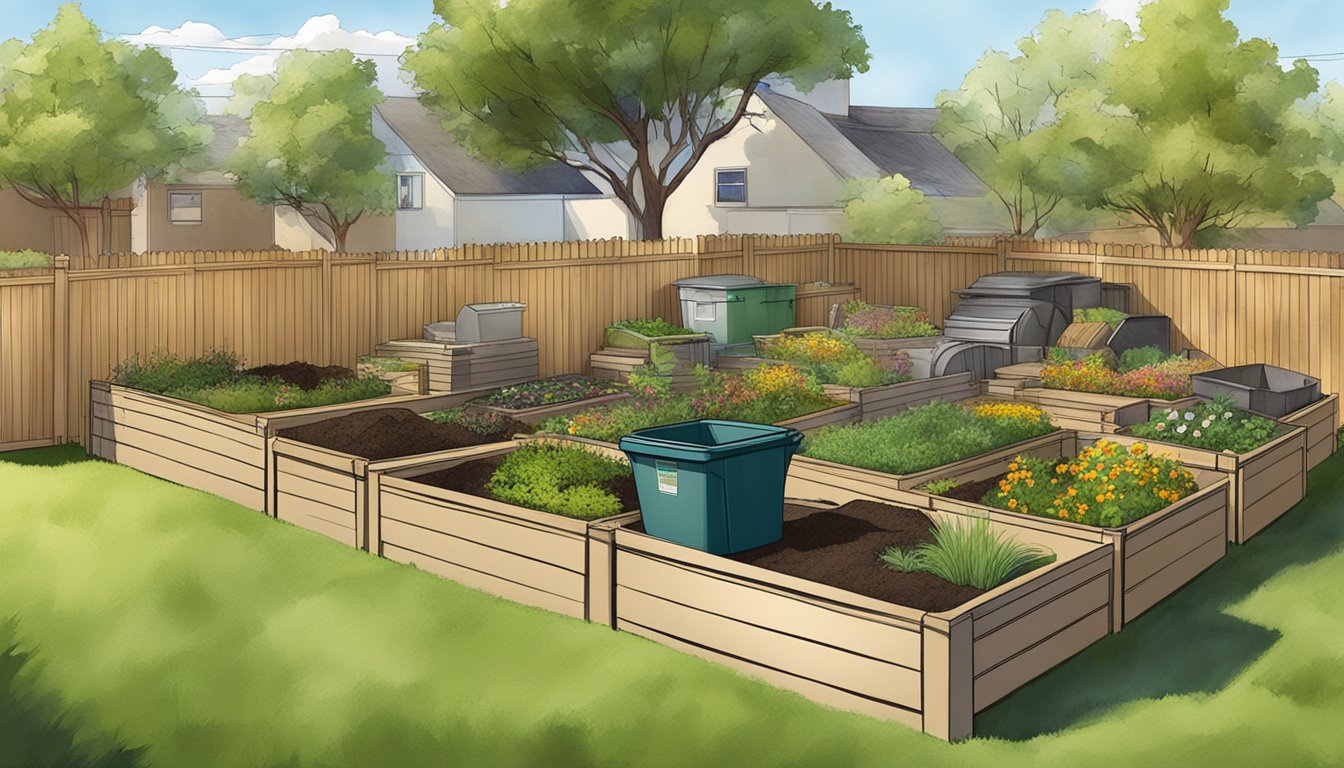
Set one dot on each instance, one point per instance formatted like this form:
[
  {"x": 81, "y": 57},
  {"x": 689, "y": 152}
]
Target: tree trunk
[
  {"x": 340, "y": 233},
  {"x": 82, "y": 225},
  {"x": 651, "y": 221}
]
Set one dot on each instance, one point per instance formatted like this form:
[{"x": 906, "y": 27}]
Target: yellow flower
[{"x": 1012, "y": 503}]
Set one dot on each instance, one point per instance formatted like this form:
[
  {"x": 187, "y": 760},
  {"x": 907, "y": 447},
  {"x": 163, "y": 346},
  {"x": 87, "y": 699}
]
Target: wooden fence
[{"x": 61, "y": 327}]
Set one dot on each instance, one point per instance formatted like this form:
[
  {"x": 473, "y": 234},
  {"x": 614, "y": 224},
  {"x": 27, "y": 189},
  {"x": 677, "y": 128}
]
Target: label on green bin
[{"x": 667, "y": 477}]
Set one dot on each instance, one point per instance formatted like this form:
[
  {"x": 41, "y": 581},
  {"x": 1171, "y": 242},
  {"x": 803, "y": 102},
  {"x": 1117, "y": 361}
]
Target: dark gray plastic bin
[{"x": 1264, "y": 389}]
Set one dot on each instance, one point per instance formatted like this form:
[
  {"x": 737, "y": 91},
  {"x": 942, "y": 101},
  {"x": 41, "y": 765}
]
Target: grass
[
  {"x": 153, "y": 625},
  {"x": 971, "y": 554}
]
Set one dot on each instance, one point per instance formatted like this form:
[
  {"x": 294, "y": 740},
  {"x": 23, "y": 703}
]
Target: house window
[
  {"x": 730, "y": 186},
  {"x": 184, "y": 207},
  {"x": 410, "y": 191}
]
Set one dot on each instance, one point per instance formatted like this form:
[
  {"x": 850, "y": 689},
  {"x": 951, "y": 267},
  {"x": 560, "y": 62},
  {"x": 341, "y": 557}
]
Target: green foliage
[
  {"x": 163, "y": 372},
  {"x": 652, "y": 328},
  {"x": 941, "y": 486},
  {"x": 610, "y": 423},
  {"x": 1217, "y": 425},
  {"x": 969, "y": 553},
  {"x": 81, "y": 118},
  {"x": 1111, "y": 317},
  {"x": 23, "y": 260},
  {"x": 312, "y": 145},
  {"x": 889, "y": 210},
  {"x": 388, "y": 364},
  {"x": 480, "y": 422},
  {"x": 654, "y": 378},
  {"x": 532, "y": 81},
  {"x": 1003, "y": 121},
  {"x": 882, "y": 322},
  {"x": 1138, "y": 357},
  {"x": 831, "y": 359},
  {"x": 928, "y": 436},
  {"x": 560, "y": 480}
]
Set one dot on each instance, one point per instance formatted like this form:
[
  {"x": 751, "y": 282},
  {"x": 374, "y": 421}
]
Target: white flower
[
  {"x": 1227, "y": 415},
  {"x": 1173, "y": 416},
  {"x": 1189, "y": 416},
  {"x": 1205, "y": 423},
  {"x": 1196, "y": 433},
  {"x": 1160, "y": 426},
  {"x": 1180, "y": 430}
]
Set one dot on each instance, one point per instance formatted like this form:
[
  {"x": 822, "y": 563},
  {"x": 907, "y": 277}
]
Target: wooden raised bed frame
[
  {"x": 1154, "y": 556},
  {"x": 616, "y": 363},
  {"x": 931, "y": 671},
  {"x": 550, "y": 561},
  {"x": 227, "y": 454},
  {"x": 1321, "y": 420},
  {"x": 540, "y": 413},
  {"x": 1085, "y": 411},
  {"x": 465, "y": 367}
]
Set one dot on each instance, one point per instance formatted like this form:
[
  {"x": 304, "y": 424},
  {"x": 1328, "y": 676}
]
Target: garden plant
[
  {"x": 1217, "y": 425},
  {"x": 549, "y": 391},
  {"x": 1138, "y": 374},
  {"x": 928, "y": 436},
  {"x": 387, "y": 364},
  {"x": 1111, "y": 317},
  {"x": 834, "y": 360},
  {"x": 216, "y": 380},
  {"x": 480, "y": 422},
  {"x": 652, "y": 328},
  {"x": 561, "y": 480},
  {"x": 1107, "y": 484},
  {"x": 23, "y": 260},
  {"x": 969, "y": 553},
  {"x": 879, "y": 322}
]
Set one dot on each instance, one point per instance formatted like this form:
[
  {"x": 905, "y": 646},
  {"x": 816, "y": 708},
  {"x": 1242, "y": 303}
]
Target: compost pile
[
  {"x": 473, "y": 477},
  {"x": 839, "y": 547},
  {"x": 301, "y": 375},
  {"x": 389, "y": 433}
]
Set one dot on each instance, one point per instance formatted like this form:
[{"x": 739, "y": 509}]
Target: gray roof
[
  {"x": 880, "y": 141},
  {"x": 466, "y": 175}
]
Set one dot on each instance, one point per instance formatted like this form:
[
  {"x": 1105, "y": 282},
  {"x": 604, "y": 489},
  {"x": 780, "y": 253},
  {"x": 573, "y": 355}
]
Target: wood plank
[
  {"x": 1144, "y": 563},
  {"x": 1050, "y": 617},
  {"x": 320, "y": 485},
  {"x": 1144, "y": 595},
  {"x": 1012, "y": 674},
  {"x": 249, "y": 496},
  {"x": 486, "y": 582}
]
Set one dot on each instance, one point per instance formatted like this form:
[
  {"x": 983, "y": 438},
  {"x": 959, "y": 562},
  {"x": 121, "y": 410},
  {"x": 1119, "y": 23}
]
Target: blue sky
[{"x": 919, "y": 48}]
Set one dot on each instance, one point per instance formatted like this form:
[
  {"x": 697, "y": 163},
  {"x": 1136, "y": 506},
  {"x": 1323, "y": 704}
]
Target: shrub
[
  {"x": 24, "y": 260},
  {"x": 610, "y": 423},
  {"x": 1105, "y": 485},
  {"x": 928, "y": 436},
  {"x": 1167, "y": 380},
  {"x": 480, "y": 422},
  {"x": 1111, "y": 317},
  {"x": 888, "y": 210},
  {"x": 654, "y": 378},
  {"x": 1217, "y": 425},
  {"x": 971, "y": 554},
  {"x": 164, "y": 373},
  {"x": 878, "y": 322},
  {"x": 561, "y": 480},
  {"x": 652, "y": 328},
  {"x": 833, "y": 360},
  {"x": 1140, "y": 357}
]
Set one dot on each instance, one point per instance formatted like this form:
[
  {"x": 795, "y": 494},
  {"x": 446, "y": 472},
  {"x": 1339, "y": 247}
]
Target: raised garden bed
[
  {"x": 534, "y": 401},
  {"x": 405, "y": 378},
  {"x": 813, "y": 301},
  {"x": 468, "y": 366},
  {"x": 433, "y": 513},
  {"x": 1321, "y": 420},
  {"x": 1086, "y": 411},
  {"x": 884, "y": 332},
  {"x": 320, "y": 470},
  {"x": 642, "y": 334},
  {"x": 227, "y": 454},
  {"x": 890, "y": 399},
  {"x": 780, "y": 614}
]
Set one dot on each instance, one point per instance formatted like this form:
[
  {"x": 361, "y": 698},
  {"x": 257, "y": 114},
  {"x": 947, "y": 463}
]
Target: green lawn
[{"x": 143, "y": 624}]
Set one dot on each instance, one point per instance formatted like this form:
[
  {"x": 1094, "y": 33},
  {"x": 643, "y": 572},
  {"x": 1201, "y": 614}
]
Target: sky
[{"x": 918, "y": 48}]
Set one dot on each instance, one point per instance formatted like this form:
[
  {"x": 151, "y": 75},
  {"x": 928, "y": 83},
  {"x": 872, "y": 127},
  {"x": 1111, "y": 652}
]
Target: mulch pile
[
  {"x": 302, "y": 375},
  {"x": 839, "y": 547},
  {"x": 389, "y": 433},
  {"x": 473, "y": 477}
]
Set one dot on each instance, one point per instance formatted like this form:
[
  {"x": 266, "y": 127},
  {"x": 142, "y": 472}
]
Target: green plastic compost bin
[{"x": 716, "y": 486}]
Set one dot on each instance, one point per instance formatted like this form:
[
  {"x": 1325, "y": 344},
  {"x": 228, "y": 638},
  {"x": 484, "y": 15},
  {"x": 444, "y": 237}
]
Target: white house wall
[
  {"x": 433, "y": 225},
  {"x": 596, "y": 219},
  {"x": 510, "y": 219},
  {"x": 783, "y": 173}
]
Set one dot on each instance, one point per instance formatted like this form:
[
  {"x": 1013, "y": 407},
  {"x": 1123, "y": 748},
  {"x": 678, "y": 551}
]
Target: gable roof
[
  {"x": 422, "y": 131},
  {"x": 209, "y": 167},
  {"x": 880, "y": 141}
]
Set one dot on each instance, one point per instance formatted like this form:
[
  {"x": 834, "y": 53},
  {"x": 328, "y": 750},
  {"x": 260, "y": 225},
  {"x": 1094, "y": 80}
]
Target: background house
[{"x": 783, "y": 169}]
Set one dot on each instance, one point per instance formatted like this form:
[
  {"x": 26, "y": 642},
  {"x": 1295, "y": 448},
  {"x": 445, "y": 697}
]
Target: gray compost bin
[
  {"x": 1142, "y": 331},
  {"x": 498, "y": 321},
  {"x": 981, "y": 360},
  {"x": 1012, "y": 322},
  {"x": 1261, "y": 388},
  {"x": 1067, "y": 290}
]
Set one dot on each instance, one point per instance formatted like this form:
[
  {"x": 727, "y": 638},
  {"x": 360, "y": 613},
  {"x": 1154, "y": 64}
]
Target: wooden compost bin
[
  {"x": 550, "y": 561},
  {"x": 1321, "y": 420},
  {"x": 464, "y": 367},
  {"x": 1263, "y": 484},
  {"x": 931, "y": 671},
  {"x": 414, "y": 382},
  {"x": 1154, "y": 556},
  {"x": 616, "y": 363},
  {"x": 227, "y": 454}
]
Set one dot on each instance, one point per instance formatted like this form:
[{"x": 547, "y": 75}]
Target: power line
[{"x": 233, "y": 49}]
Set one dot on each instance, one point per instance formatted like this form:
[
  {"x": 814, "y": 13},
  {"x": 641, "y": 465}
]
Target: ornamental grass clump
[
  {"x": 562, "y": 480},
  {"x": 928, "y": 436},
  {"x": 969, "y": 553},
  {"x": 833, "y": 360},
  {"x": 1105, "y": 485},
  {"x": 1111, "y": 317},
  {"x": 879, "y": 322},
  {"x": 1217, "y": 425}
]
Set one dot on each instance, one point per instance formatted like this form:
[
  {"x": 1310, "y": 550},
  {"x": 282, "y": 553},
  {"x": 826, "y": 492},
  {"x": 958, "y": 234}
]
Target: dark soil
[
  {"x": 975, "y": 491},
  {"x": 839, "y": 547},
  {"x": 302, "y": 375},
  {"x": 473, "y": 477},
  {"x": 389, "y": 433}
]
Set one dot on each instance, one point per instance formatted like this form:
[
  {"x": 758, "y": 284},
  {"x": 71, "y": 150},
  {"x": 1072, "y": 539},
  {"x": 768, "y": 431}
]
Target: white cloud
[
  {"x": 1122, "y": 10},
  {"x": 225, "y": 58}
]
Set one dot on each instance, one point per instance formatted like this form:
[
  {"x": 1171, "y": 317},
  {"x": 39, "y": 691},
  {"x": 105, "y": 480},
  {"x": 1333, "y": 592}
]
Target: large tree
[
  {"x": 889, "y": 210},
  {"x": 311, "y": 144},
  {"x": 634, "y": 92},
  {"x": 82, "y": 117},
  {"x": 1200, "y": 131},
  {"x": 1004, "y": 120}
]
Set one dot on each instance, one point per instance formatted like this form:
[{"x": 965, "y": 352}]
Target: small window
[
  {"x": 410, "y": 191},
  {"x": 184, "y": 207},
  {"x": 730, "y": 186}
]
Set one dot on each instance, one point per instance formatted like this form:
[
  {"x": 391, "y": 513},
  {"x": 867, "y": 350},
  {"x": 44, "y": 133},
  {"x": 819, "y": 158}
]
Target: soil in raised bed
[
  {"x": 390, "y": 433},
  {"x": 975, "y": 491},
  {"x": 473, "y": 477},
  {"x": 839, "y": 547},
  {"x": 302, "y": 375}
]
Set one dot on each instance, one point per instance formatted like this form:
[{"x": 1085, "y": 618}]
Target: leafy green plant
[
  {"x": 879, "y": 322},
  {"x": 561, "y": 480},
  {"x": 1111, "y": 317},
  {"x": 1217, "y": 425},
  {"x": 654, "y": 377},
  {"x": 610, "y": 423},
  {"x": 971, "y": 554},
  {"x": 652, "y": 327},
  {"x": 941, "y": 486},
  {"x": 549, "y": 391},
  {"x": 928, "y": 436},
  {"x": 831, "y": 359},
  {"x": 480, "y": 422},
  {"x": 23, "y": 260},
  {"x": 164, "y": 373},
  {"x": 387, "y": 364},
  {"x": 1139, "y": 357}
]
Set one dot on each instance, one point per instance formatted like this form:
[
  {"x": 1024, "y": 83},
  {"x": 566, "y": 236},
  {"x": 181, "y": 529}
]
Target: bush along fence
[{"x": 65, "y": 326}]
